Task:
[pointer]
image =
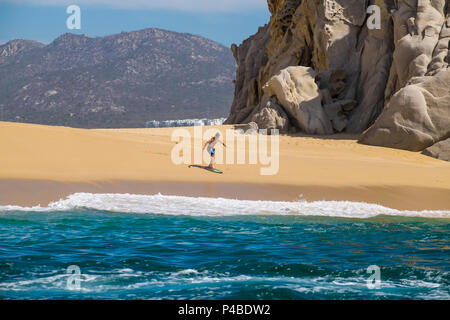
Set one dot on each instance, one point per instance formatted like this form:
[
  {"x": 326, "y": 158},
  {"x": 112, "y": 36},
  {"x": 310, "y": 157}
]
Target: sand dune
[{"x": 39, "y": 164}]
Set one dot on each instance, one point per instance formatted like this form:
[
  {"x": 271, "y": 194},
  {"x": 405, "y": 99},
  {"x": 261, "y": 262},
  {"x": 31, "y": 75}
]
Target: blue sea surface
[{"x": 126, "y": 255}]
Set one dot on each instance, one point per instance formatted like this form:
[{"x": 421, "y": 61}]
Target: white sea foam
[
  {"x": 185, "y": 123},
  {"x": 163, "y": 283},
  {"x": 177, "y": 205}
]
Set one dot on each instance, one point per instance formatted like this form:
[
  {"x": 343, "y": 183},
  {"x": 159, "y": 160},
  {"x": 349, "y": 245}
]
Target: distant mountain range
[{"x": 123, "y": 80}]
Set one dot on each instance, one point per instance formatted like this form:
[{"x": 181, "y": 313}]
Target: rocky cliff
[
  {"x": 377, "y": 68},
  {"x": 122, "y": 80}
]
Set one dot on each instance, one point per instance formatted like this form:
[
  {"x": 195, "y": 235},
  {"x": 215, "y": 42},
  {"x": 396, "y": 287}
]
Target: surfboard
[{"x": 206, "y": 168}]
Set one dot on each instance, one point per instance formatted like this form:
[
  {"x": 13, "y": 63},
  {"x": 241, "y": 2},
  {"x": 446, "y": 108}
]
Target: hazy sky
[{"x": 225, "y": 21}]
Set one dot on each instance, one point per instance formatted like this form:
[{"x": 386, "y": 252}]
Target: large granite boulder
[
  {"x": 296, "y": 90},
  {"x": 417, "y": 116}
]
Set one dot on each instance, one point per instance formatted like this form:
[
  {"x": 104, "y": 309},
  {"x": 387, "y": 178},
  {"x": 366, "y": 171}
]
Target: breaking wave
[{"x": 190, "y": 206}]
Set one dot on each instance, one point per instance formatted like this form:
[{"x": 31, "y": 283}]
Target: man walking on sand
[{"x": 210, "y": 144}]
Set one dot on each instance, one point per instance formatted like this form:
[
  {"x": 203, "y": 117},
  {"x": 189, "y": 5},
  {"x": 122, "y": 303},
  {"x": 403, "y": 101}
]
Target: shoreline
[
  {"x": 41, "y": 164},
  {"x": 29, "y": 193}
]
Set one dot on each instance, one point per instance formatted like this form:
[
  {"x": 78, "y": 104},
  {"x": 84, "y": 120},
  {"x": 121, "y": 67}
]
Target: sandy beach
[{"x": 40, "y": 164}]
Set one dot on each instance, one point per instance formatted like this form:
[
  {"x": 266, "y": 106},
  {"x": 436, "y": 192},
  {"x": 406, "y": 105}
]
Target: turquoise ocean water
[{"x": 162, "y": 247}]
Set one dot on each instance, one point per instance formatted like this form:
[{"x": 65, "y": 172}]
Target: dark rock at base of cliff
[{"x": 440, "y": 150}]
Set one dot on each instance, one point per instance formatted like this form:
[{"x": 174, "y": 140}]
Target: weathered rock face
[
  {"x": 375, "y": 63},
  {"x": 324, "y": 35},
  {"x": 416, "y": 117},
  {"x": 417, "y": 28},
  {"x": 250, "y": 59},
  {"x": 361, "y": 72}
]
